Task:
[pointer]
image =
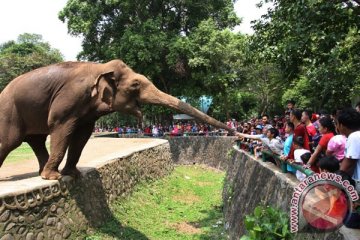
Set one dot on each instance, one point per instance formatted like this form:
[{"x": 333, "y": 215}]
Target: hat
[
  {"x": 314, "y": 117},
  {"x": 259, "y": 127}
]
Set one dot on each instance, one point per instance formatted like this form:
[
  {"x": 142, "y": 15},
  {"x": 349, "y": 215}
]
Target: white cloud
[{"x": 41, "y": 17}]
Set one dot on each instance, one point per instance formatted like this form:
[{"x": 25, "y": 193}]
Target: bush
[{"x": 267, "y": 223}]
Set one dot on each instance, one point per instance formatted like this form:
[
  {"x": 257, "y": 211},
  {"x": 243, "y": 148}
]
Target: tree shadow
[{"x": 92, "y": 200}]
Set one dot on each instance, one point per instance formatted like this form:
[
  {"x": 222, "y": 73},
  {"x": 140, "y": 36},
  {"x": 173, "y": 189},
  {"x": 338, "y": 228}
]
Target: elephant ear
[{"x": 104, "y": 86}]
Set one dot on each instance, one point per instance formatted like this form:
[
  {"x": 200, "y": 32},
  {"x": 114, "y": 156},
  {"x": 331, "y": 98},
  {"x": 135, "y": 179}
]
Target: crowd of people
[
  {"x": 181, "y": 128},
  {"x": 321, "y": 142}
]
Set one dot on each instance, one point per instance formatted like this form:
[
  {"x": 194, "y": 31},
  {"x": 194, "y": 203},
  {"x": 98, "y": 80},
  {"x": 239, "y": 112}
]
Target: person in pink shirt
[{"x": 336, "y": 147}]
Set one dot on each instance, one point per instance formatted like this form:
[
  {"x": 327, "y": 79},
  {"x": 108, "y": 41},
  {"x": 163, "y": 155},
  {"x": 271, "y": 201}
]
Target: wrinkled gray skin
[{"x": 64, "y": 100}]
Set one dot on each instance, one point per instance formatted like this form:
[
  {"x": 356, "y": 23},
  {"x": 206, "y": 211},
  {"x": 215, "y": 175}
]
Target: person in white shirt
[
  {"x": 299, "y": 153},
  {"x": 271, "y": 139},
  {"x": 348, "y": 124}
]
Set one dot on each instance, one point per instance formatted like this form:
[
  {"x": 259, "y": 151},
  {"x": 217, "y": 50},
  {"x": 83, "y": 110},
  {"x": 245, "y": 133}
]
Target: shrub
[{"x": 267, "y": 223}]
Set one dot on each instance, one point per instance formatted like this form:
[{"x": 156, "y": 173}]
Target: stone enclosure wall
[
  {"x": 212, "y": 151},
  {"x": 251, "y": 182},
  {"x": 61, "y": 209}
]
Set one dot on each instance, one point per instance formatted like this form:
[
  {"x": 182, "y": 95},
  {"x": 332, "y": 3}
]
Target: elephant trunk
[{"x": 155, "y": 96}]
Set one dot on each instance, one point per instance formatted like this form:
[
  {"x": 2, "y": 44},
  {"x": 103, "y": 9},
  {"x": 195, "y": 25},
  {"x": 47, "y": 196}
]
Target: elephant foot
[
  {"x": 50, "y": 174},
  {"x": 73, "y": 172}
]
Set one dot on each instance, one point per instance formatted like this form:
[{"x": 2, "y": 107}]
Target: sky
[{"x": 41, "y": 17}]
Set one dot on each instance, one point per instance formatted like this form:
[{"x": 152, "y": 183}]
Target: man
[
  {"x": 348, "y": 124},
  {"x": 290, "y": 104},
  {"x": 299, "y": 130},
  {"x": 305, "y": 118},
  {"x": 265, "y": 120}
]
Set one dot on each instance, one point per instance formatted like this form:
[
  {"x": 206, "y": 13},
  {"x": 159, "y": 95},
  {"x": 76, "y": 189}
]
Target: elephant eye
[{"x": 135, "y": 85}]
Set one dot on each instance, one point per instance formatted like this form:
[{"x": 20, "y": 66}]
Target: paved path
[{"x": 96, "y": 151}]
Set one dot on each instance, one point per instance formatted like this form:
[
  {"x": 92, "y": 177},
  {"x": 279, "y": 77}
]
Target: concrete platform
[
  {"x": 33, "y": 208},
  {"x": 21, "y": 176}
]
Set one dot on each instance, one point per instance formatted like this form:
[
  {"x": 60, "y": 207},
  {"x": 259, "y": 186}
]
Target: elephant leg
[
  {"x": 37, "y": 143},
  {"x": 59, "y": 142},
  {"x": 10, "y": 139},
  {"x": 77, "y": 143}
]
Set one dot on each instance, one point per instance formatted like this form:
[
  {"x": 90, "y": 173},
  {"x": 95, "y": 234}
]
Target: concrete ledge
[{"x": 38, "y": 209}]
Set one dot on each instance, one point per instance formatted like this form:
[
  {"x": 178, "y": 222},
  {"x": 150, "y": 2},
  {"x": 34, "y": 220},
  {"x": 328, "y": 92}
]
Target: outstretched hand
[{"x": 239, "y": 135}]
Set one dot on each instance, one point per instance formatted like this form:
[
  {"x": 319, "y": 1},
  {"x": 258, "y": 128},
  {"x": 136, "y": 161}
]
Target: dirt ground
[{"x": 97, "y": 149}]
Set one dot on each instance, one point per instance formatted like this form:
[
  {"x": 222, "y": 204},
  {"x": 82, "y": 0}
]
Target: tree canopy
[
  {"x": 185, "y": 47},
  {"x": 27, "y": 53},
  {"x": 316, "y": 46},
  {"x": 302, "y": 50}
]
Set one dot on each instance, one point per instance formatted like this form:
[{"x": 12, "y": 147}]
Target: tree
[
  {"x": 27, "y": 53},
  {"x": 215, "y": 61},
  {"x": 141, "y": 32},
  {"x": 164, "y": 40},
  {"x": 316, "y": 42},
  {"x": 266, "y": 84}
]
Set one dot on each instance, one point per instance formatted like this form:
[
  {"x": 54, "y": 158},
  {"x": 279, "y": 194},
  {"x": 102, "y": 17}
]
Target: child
[
  {"x": 275, "y": 144},
  {"x": 304, "y": 158},
  {"x": 298, "y": 144},
  {"x": 328, "y": 164},
  {"x": 289, "y": 130}
]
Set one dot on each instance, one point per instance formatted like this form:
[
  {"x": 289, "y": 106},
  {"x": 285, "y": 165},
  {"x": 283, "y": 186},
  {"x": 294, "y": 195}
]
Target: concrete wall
[
  {"x": 249, "y": 183},
  {"x": 60, "y": 209},
  {"x": 212, "y": 151}
]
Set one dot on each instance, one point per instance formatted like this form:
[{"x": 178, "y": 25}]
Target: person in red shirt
[
  {"x": 327, "y": 129},
  {"x": 305, "y": 118},
  {"x": 299, "y": 130}
]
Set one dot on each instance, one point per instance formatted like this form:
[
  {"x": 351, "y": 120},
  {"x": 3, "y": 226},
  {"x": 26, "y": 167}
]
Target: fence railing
[
  {"x": 187, "y": 134},
  {"x": 165, "y": 134},
  {"x": 267, "y": 156}
]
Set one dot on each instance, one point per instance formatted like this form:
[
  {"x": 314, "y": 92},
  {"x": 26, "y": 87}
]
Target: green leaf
[
  {"x": 257, "y": 212},
  {"x": 246, "y": 238}
]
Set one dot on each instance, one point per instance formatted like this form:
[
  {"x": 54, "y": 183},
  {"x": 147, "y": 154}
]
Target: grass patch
[
  {"x": 23, "y": 152},
  {"x": 185, "y": 205}
]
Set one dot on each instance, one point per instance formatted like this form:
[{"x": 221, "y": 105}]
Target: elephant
[{"x": 64, "y": 100}]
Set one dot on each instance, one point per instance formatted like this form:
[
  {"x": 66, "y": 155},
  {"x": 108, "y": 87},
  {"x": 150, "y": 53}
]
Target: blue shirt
[
  {"x": 286, "y": 151},
  {"x": 287, "y": 145}
]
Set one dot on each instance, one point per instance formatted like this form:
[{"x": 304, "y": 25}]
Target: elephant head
[{"x": 123, "y": 90}]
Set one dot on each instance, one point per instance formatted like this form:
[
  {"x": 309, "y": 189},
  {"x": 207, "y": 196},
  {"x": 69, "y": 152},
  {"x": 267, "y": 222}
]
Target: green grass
[
  {"x": 185, "y": 205},
  {"x": 23, "y": 152}
]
